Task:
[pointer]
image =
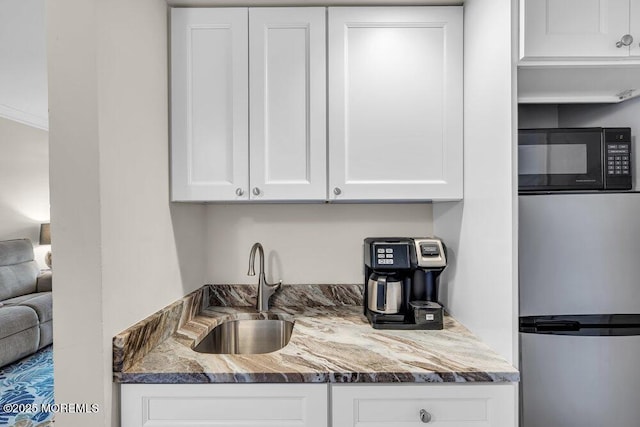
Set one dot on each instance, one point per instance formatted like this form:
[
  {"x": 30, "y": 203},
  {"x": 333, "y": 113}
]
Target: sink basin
[{"x": 255, "y": 336}]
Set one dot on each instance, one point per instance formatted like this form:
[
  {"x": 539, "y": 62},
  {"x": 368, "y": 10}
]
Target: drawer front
[
  {"x": 371, "y": 411},
  {"x": 243, "y": 405},
  {"x": 446, "y": 405}
]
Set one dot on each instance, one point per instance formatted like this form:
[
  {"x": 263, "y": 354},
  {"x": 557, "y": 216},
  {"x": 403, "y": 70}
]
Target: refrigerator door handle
[
  {"x": 556, "y": 325},
  {"x": 545, "y": 325}
]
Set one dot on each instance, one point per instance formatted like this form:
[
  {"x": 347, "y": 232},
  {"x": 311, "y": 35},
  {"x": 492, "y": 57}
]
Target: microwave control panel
[{"x": 617, "y": 155}]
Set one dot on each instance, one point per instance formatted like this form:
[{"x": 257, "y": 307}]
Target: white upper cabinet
[
  {"x": 579, "y": 51},
  {"x": 251, "y": 99},
  {"x": 580, "y": 29},
  {"x": 395, "y": 103},
  {"x": 209, "y": 104},
  {"x": 222, "y": 58},
  {"x": 287, "y": 77}
]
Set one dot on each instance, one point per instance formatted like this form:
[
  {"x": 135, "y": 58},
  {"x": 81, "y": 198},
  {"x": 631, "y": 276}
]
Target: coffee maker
[{"x": 401, "y": 282}]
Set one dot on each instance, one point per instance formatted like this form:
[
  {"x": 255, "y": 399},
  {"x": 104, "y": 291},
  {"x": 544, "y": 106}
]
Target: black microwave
[{"x": 574, "y": 159}]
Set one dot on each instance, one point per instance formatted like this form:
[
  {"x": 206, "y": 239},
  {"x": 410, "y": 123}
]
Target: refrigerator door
[
  {"x": 579, "y": 381},
  {"x": 579, "y": 253}
]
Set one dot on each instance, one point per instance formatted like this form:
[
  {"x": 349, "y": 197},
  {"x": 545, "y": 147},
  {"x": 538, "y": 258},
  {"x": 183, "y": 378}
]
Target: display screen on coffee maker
[{"x": 389, "y": 255}]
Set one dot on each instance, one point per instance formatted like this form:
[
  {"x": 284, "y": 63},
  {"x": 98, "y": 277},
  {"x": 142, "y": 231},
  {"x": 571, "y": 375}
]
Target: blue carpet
[{"x": 27, "y": 385}]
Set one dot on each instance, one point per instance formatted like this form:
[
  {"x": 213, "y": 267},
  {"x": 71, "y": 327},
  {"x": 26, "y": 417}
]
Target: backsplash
[
  {"x": 287, "y": 296},
  {"x": 132, "y": 344},
  {"x": 304, "y": 243}
]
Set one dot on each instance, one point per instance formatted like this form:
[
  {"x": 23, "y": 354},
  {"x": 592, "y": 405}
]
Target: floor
[{"x": 27, "y": 384}]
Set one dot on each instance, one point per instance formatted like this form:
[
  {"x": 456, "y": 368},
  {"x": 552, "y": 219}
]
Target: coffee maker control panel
[
  {"x": 429, "y": 249},
  {"x": 387, "y": 255}
]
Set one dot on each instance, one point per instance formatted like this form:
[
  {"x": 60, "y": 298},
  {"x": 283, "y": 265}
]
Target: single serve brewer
[{"x": 401, "y": 282}]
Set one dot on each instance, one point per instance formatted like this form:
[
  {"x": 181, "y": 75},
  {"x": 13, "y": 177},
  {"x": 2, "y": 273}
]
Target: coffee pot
[{"x": 384, "y": 293}]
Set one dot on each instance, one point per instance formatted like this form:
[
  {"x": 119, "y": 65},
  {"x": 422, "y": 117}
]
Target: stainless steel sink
[{"x": 255, "y": 336}]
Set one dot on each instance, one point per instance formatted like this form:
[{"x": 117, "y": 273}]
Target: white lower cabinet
[
  {"x": 451, "y": 405},
  {"x": 293, "y": 405},
  {"x": 240, "y": 405}
]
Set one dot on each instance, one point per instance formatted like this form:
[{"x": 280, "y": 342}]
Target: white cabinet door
[
  {"x": 452, "y": 405},
  {"x": 239, "y": 405},
  {"x": 288, "y": 103},
  {"x": 395, "y": 103},
  {"x": 574, "y": 28},
  {"x": 634, "y": 30},
  {"x": 209, "y": 104}
]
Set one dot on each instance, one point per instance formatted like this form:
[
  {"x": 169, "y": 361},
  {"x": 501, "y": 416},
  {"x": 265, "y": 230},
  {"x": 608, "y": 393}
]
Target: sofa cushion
[
  {"x": 16, "y": 346},
  {"x": 44, "y": 282},
  {"x": 40, "y": 302},
  {"x": 15, "y": 319},
  {"x": 15, "y": 251},
  {"x": 18, "y": 270}
]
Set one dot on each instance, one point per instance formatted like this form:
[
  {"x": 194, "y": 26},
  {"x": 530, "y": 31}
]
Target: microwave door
[{"x": 560, "y": 159}]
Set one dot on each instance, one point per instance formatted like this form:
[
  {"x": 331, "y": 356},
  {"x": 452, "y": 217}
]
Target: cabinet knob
[
  {"x": 626, "y": 40},
  {"x": 239, "y": 191},
  {"x": 425, "y": 417},
  {"x": 256, "y": 191},
  {"x": 337, "y": 191}
]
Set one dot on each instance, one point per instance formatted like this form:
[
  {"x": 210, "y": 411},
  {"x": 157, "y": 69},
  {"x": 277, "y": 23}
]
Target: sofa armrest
[{"x": 44, "y": 282}]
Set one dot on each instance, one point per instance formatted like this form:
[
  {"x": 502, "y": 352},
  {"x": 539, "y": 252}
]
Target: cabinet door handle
[
  {"x": 425, "y": 417},
  {"x": 626, "y": 40},
  {"x": 337, "y": 191},
  {"x": 256, "y": 191},
  {"x": 239, "y": 191}
]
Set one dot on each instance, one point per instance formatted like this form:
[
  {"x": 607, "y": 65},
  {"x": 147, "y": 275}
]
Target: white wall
[
  {"x": 23, "y": 65},
  {"x": 313, "y": 244},
  {"x": 24, "y": 183},
  {"x": 24, "y": 180},
  {"x": 480, "y": 231},
  {"x": 122, "y": 251}
]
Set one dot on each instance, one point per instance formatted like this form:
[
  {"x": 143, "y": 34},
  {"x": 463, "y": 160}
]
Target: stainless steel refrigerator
[{"x": 579, "y": 263}]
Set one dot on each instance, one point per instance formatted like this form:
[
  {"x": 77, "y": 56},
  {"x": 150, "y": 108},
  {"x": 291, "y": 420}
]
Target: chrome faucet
[{"x": 265, "y": 290}]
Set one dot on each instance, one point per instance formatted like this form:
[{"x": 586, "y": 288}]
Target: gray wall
[{"x": 537, "y": 116}]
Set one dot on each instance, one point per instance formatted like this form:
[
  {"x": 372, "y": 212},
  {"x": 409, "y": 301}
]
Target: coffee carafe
[{"x": 385, "y": 293}]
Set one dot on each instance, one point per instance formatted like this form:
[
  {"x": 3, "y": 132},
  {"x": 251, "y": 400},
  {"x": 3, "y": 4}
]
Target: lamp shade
[{"x": 45, "y": 234}]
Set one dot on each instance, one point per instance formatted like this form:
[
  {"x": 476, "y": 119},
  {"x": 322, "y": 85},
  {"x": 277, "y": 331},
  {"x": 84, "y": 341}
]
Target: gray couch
[{"x": 25, "y": 302}]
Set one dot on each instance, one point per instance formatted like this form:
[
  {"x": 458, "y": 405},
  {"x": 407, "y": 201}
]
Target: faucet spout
[
  {"x": 265, "y": 290},
  {"x": 252, "y": 259}
]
